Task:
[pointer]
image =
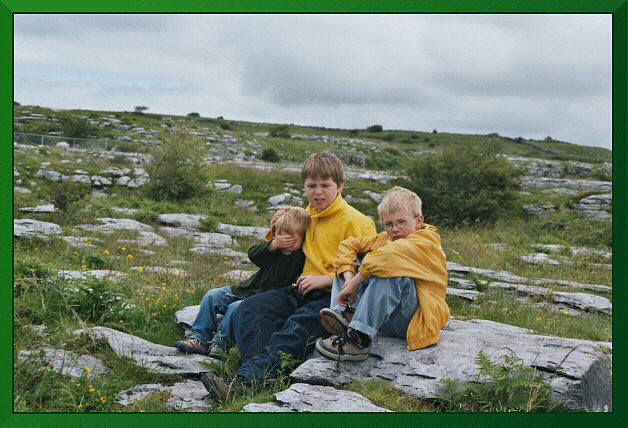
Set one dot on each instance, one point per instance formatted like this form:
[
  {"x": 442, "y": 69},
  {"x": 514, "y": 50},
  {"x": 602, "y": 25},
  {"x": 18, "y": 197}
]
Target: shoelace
[{"x": 340, "y": 341}]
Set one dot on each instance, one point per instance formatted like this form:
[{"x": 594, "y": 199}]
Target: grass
[{"x": 147, "y": 302}]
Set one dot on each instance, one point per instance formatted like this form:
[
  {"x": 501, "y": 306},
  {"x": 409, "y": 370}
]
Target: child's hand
[
  {"x": 281, "y": 241},
  {"x": 308, "y": 283},
  {"x": 273, "y": 220},
  {"x": 348, "y": 294},
  {"x": 348, "y": 275}
]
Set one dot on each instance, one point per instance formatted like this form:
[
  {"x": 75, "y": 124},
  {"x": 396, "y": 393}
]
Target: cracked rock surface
[{"x": 419, "y": 373}]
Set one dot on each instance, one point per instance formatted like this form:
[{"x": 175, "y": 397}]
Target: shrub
[
  {"x": 65, "y": 193},
  {"x": 223, "y": 125},
  {"x": 177, "y": 171},
  {"x": 511, "y": 387},
  {"x": 434, "y": 131},
  {"x": 388, "y": 137},
  {"x": 375, "y": 128},
  {"x": 280, "y": 131},
  {"x": 270, "y": 155},
  {"x": 193, "y": 114},
  {"x": 465, "y": 184},
  {"x": 76, "y": 128},
  {"x": 353, "y": 133}
]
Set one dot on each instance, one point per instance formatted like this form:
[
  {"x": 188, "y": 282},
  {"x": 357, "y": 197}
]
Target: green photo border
[{"x": 618, "y": 8}]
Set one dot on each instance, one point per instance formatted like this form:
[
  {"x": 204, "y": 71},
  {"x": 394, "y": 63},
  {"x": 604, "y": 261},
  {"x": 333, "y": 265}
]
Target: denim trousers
[
  {"x": 382, "y": 304},
  {"x": 215, "y": 301},
  {"x": 267, "y": 326}
]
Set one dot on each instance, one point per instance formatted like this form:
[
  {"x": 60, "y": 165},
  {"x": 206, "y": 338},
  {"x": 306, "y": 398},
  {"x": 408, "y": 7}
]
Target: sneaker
[
  {"x": 217, "y": 387},
  {"x": 191, "y": 346},
  {"x": 215, "y": 351},
  {"x": 336, "y": 322},
  {"x": 346, "y": 347}
]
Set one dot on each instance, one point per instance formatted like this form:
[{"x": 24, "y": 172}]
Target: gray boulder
[
  {"x": 539, "y": 210},
  {"x": 181, "y": 220},
  {"x": 144, "y": 239},
  {"x": 189, "y": 396},
  {"x": 39, "y": 209},
  {"x": 100, "y": 181},
  {"x": 539, "y": 259},
  {"x": 594, "y": 206},
  {"x": 49, "y": 174},
  {"x": 217, "y": 240},
  {"x": 66, "y": 362},
  {"x": 420, "y": 373},
  {"x": 21, "y": 191},
  {"x": 156, "y": 358},
  {"x": 301, "y": 397},
  {"x": 110, "y": 275},
  {"x": 111, "y": 225},
  {"x": 597, "y": 386},
  {"x": 80, "y": 241},
  {"x": 581, "y": 185},
  {"x": 243, "y": 231},
  {"x": 29, "y": 227}
]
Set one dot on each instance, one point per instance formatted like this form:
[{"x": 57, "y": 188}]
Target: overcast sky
[{"x": 518, "y": 75}]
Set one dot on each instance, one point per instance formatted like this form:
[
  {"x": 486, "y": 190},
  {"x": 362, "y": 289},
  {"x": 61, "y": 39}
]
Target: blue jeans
[
  {"x": 267, "y": 325},
  {"x": 215, "y": 301},
  {"x": 382, "y": 304}
]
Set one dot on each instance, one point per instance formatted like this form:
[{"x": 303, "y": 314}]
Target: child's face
[
  {"x": 321, "y": 193},
  {"x": 400, "y": 224},
  {"x": 297, "y": 244}
]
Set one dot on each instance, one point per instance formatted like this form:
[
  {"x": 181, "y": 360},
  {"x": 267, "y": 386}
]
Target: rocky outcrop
[
  {"x": 188, "y": 396},
  {"x": 145, "y": 239},
  {"x": 243, "y": 231},
  {"x": 420, "y": 373},
  {"x": 301, "y": 397},
  {"x": 156, "y": 358},
  {"x": 66, "y": 362},
  {"x": 181, "y": 220},
  {"x": 110, "y": 275},
  {"x": 29, "y": 228},
  {"x": 580, "y": 185},
  {"x": 39, "y": 209},
  {"x": 111, "y": 225},
  {"x": 594, "y": 206}
]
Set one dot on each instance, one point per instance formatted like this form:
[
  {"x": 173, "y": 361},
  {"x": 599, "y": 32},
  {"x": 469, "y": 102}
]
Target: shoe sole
[
  {"x": 332, "y": 323},
  {"x": 334, "y": 356},
  {"x": 209, "y": 382}
]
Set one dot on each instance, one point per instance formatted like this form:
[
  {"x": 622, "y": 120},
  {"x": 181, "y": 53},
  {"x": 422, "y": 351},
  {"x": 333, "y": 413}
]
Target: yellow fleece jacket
[
  {"x": 418, "y": 256},
  {"x": 329, "y": 228}
]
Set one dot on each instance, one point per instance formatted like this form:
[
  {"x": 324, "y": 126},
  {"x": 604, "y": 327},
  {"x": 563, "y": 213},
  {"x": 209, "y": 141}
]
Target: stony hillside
[{"x": 107, "y": 278}]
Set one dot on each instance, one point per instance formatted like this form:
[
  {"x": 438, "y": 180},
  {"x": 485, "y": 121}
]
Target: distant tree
[
  {"x": 178, "y": 170},
  {"x": 548, "y": 138},
  {"x": 353, "y": 132},
  {"x": 280, "y": 131},
  {"x": 140, "y": 109},
  {"x": 270, "y": 155},
  {"x": 434, "y": 131},
  {"x": 222, "y": 124},
  {"x": 193, "y": 114},
  {"x": 76, "y": 128},
  {"x": 465, "y": 184},
  {"x": 375, "y": 128}
]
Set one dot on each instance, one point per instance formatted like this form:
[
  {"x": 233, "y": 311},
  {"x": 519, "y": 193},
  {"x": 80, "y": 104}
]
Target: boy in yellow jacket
[
  {"x": 284, "y": 321},
  {"x": 400, "y": 286}
]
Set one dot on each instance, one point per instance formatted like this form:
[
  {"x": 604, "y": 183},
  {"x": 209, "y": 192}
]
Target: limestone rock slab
[
  {"x": 243, "y": 231},
  {"x": 181, "y": 220},
  {"x": 301, "y": 397},
  {"x": 190, "y": 395},
  {"x": 27, "y": 226},
  {"x": 156, "y": 358},
  {"x": 419, "y": 373},
  {"x": 110, "y": 225},
  {"x": 66, "y": 362}
]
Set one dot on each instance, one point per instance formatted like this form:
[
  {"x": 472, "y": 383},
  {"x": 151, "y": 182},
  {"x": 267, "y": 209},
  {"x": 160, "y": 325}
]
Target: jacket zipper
[{"x": 315, "y": 226}]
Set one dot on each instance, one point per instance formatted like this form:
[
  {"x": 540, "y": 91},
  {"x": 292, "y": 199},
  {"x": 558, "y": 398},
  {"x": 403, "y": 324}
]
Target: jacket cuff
[
  {"x": 364, "y": 271},
  {"x": 344, "y": 268}
]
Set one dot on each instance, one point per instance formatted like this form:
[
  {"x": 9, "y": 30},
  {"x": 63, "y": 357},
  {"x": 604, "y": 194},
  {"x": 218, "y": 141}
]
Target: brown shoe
[
  {"x": 217, "y": 387},
  {"x": 191, "y": 346},
  {"x": 346, "y": 347},
  {"x": 336, "y": 322}
]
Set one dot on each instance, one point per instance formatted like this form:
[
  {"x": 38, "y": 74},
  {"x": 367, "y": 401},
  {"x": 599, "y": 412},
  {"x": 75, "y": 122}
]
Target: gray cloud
[{"x": 528, "y": 75}]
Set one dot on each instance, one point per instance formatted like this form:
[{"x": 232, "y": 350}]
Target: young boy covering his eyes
[{"x": 399, "y": 287}]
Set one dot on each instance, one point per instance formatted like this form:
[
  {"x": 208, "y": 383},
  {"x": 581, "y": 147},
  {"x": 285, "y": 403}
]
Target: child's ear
[
  {"x": 341, "y": 186},
  {"x": 419, "y": 223}
]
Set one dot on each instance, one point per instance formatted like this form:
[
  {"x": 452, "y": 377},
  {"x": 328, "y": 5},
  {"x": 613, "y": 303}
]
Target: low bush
[
  {"x": 178, "y": 170},
  {"x": 269, "y": 155},
  {"x": 375, "y": 128},
  {"x": 65, "y": 193},
  {"x": 465, "y": 184},
  {"x": 280, "y": 131}
]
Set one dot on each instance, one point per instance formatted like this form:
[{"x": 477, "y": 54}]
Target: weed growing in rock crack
[{"x": 511, "y": 387}]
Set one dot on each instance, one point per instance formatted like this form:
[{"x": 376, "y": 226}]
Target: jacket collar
[{"x": 332, "y": 209}]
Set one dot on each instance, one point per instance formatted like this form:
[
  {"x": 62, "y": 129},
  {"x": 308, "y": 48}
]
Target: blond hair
[
  {"x": 322, "y": 166},
  {"x": 399, "y": 198},
  {"x": 294, "y": 221}
]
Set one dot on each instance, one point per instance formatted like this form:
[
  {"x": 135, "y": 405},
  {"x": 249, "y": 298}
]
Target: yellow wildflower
[
  {"x": 226, "y": 258},
  {"x": 538, "y": 319},
  {"x": 123, "y": 249},
  {"x": 140, "y": 270},
  {"x": 86, "y": 369},
  {"x": 163, "y": 288},
  {"x": 163, "y": 283},
  {"x": 78, "y": 384},
  {"x": 176, "y": 297},
  {"x": 187, "y": 290},
  {"x": 106, "y": 252},
  {"x": 84, "y": 266},
  {"x": 80, "y": 406},
  {"x": 129, "y": 256},
  {"x": 75, "y": 253},
  {"x": 165, "y": 306},
  {"x": 84, "y": 239}
]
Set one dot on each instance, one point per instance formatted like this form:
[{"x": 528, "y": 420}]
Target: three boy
[{"x": 267, "y": 325}]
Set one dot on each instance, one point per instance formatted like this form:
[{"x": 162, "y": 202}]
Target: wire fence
[{"x": 51, "y": 140}]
